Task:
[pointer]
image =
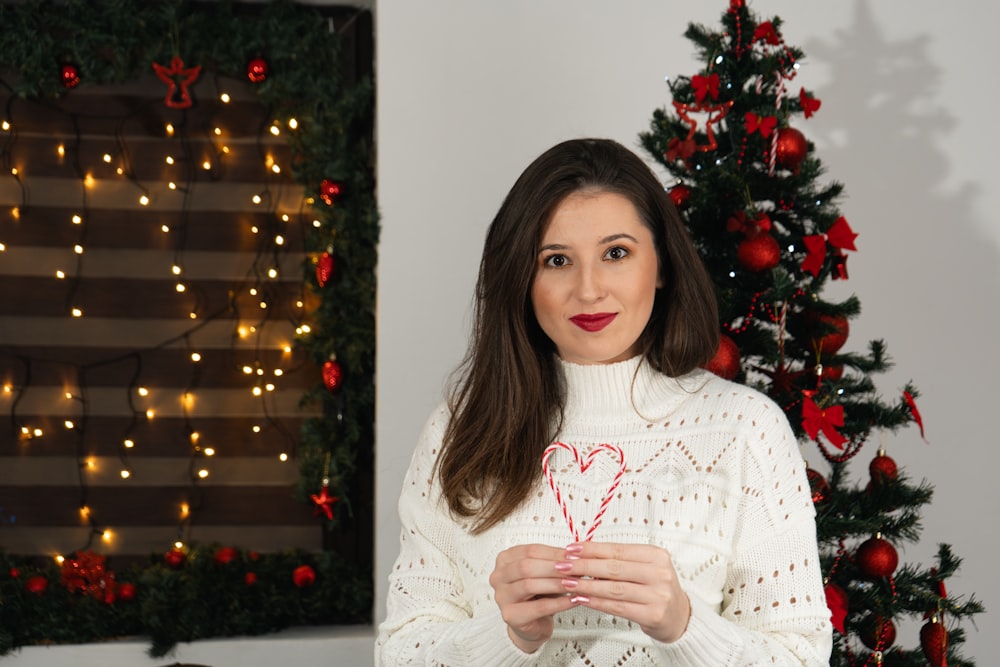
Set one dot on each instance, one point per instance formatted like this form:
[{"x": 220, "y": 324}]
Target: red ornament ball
[
  {"x": 69, "y": 75},
  {"x": 759, "y": 253},
  {"x": 250, "y": 578},
  {"x": 790, "y": 148},
  {"x": 726, "y": 362},
  {"x": 304, "y": 576},
  {"x": 225, "y": 555},
  {"x": 883, "y": 468},
  {"x": 934, "y": 642},
  {"x": 679, "y": 195},
  {"x": 332, "y": 375},
  {"x": 831, "y": 342},
  {"x": 37, "y": 585},
  {"x": 877, "y": 557},
  {"x": 174, "y": 558},
  {"x": 878, "y": 633},
  {"x": 831, "y": 373},
  {"x": 818, "y": 486},
  {"x": 126, "y": 592},
  {"x": 737, "y": 4},
  {"x": 257, "y": 70},
  {"x": 836, "y": 601}
]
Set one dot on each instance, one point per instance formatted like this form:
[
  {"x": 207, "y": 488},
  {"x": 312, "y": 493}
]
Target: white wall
[{"x": 469, "y": 92}]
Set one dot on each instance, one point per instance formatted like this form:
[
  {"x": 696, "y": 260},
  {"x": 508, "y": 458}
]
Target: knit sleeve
[
  {"x": 429, "y": 614},
  {"x": 773, "y": 609}
]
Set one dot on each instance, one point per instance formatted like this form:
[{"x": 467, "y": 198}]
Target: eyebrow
[{"x": 606, "y": 239}]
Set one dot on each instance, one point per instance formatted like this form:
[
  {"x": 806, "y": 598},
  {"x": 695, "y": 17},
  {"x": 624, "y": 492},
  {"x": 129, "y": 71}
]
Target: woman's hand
[
  {"x": 634, "y": 581},
  {"x": 527, "y": 587}
]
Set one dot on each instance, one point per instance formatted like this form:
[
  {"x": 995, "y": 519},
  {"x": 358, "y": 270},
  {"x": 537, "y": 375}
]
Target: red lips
[{"x": 593, "y": 321}]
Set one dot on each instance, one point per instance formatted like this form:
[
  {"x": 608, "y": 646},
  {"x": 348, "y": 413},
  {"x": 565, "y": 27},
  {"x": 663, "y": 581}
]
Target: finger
[{"x": 639, "y": 553}]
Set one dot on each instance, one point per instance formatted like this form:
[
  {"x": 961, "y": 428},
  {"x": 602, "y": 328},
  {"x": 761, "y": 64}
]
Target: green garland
[
  {"x": 208, "y": 592},
  {"x": 114, "y": 41}
]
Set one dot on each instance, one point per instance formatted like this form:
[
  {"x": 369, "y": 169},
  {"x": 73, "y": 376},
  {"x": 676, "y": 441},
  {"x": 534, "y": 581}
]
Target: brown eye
[
  {"x": 616, "y": 253},
  {"x": 556, "y": 261}
]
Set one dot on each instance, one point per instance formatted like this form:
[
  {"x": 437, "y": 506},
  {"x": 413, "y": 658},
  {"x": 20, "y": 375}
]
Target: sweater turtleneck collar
[{"x": 624, "y": 391}]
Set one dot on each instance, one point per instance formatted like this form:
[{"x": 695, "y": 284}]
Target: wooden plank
[
  {"x": 47, "y": 226},
  {"x": 171, "y": 367},
  {"x": 152, "y": 505},
  {"x": 163, "y": 436},
  {"x": 144, "y": 540}
]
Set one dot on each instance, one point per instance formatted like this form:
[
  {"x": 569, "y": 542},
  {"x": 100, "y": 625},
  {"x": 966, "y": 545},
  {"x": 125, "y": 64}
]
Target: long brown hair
[{"x": 507, "y": 400}]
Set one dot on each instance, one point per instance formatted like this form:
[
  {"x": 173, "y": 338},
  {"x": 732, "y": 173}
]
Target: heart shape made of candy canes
[{"x": 584, "y": 463}]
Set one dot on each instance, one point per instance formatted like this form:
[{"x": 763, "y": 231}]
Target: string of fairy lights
[{"x": 188, "y": 165}]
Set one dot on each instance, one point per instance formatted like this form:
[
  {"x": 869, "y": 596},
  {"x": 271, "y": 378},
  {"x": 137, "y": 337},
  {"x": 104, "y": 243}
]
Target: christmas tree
[{"x": 748, "y": 184}]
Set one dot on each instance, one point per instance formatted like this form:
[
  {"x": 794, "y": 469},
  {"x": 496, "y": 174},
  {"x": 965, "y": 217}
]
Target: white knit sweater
[{"x": 713, "y": 475}]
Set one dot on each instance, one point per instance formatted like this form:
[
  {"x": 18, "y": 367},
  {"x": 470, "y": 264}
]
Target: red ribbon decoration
[
  {"x": 763, "y": 124},
  {"x": 816, "y": 420},
  {"x": 908, "y": 397},
  {"x": 809, "y": 104},
  {"x": 840, "y": 236},
  {"x": 836, "y": 600},
  {"x": 705, "y": 85}
]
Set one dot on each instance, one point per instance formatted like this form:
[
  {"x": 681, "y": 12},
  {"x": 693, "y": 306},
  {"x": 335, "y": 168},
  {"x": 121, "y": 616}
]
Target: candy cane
[{"x": 584, "y": 465}]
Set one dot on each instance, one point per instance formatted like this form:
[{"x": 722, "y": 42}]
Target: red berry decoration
[
  {"x": 37, "y": 585},
  {"x": 726, "y": 362},
  {"x": 883, "y": 468},
  {"x": 759, "y": 253},
  {"x": 174, "y": 558},
  {"x": 126, "y": 592},
  {"x": 257, "y": 70},
  {"x": 790, "y": 149},
  {"x": 934, "y": 641},
  {"x": 304, "y": 576},
  {"x": 324, "y": 268},
  {"x": 69, "y": 75},
  {"x": 332, "y": 375},
  {"x": 225, "y": 555},
  {"x": 877, "y": 557},
  {"x": 679, "y": 195},
  {"x": 328, "y": 191},
  {"x": 818, "y": 485}
]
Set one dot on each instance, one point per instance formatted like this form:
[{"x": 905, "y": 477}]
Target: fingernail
[
  {"x": 563, "y": 567},
  {"x": 569, "y": 583},
  {"x": 574, "y": 549},
  {"x": 579, "y": 599}
]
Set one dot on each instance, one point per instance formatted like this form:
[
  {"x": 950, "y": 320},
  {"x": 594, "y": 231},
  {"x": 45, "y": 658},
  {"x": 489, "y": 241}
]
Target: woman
[{"x": 593, "y": 316}]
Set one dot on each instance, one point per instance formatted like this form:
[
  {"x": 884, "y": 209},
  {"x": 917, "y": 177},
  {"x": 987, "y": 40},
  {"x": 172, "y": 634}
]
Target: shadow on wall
[{"x": 926, "y": 273}]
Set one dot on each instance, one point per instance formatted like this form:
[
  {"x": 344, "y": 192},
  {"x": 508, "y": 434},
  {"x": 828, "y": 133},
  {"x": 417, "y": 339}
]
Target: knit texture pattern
[{"x": 713, "y": 475}]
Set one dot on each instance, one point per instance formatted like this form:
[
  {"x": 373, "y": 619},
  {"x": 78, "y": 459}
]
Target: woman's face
[{"x": 596, "y": 278}]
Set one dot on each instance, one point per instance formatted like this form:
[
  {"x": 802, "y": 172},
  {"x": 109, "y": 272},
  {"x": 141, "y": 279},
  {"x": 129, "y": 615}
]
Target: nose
[{"x": 590, "y": 284}]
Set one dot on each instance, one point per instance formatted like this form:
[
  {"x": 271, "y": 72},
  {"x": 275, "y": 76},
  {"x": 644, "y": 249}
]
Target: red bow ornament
[
  {"x": 840, "y": 236},
  {"x": 763, "y": 124},
  {"x": 705, "y": 85},
  {"x": 816, "y": 420},
  {"x": 809, "y": 104},
  {"x": 739, "y": 222},
  {"x": 766, "y": 32}
]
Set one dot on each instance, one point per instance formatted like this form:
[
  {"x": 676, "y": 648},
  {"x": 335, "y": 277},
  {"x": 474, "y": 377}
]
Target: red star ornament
[
  {"x": 178, "y": 78},
  {"x": 324, "y": 501},
  {"x": 716, "y": 112}
]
